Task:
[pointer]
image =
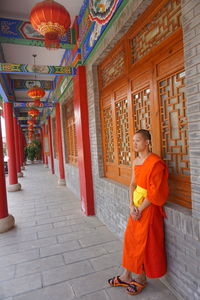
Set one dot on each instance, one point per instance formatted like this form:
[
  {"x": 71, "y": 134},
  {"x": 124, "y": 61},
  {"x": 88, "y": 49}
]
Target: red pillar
[
  {"x": 6, "y": 221},
  {"x": 19, "y": 173},
  {"x": 61, "y": 180},
  {"x": 42, "y": 144},
  {"x": 83, "y": 141},
  {"x": 45, "y": 155},
  {"x": 21, "y": 159},
  {"x": 10, "y": 141},
  {"x": 50, "y": 145},
  {"x": 3, "y": 196}
]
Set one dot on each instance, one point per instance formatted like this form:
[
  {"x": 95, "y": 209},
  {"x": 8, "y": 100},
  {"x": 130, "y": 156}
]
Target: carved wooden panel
[
  {"x": 108, "y": 135},
  {"x": 164, "y": 23},
  {"x": 141, "y": 109},
  {"x": 113, "y": 69},
  {"x": 122, "y": 128},
  {"x": 70, "y": 134},
  {"x": 71, "y": 140},
  {"x": 174, "y": 123}
]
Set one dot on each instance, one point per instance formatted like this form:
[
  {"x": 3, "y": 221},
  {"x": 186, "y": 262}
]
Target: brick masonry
[{"x": 111, "y": 198}]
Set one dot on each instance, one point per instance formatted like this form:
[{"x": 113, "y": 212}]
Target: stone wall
[{"x": 111, "y": 198}]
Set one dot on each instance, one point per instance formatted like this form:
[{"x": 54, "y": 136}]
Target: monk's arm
[
  {"x": 144, "y": 205},
  {"x": 132, "y": 188}
]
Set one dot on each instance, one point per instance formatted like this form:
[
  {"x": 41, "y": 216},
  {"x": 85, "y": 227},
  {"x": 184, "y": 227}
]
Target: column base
[
  {"x": 61, "y": 182},
  {"x": 20, "y": 174},
  {"x": 7, "y": 223},
  {"x": 14, "y": 187},
  {"x": 23, "y": 168},
  {"x": 45, "y": 166}
]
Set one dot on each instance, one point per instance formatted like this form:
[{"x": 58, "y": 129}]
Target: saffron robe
[{"x": 144, "y": 247}]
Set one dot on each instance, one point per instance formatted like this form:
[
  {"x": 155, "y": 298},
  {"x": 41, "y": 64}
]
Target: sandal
[
  {"x": 116, "y": 281},
  {"x": 135, "y": 288}
]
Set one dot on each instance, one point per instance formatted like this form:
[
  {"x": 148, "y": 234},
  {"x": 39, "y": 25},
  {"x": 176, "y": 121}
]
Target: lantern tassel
[{"x": 51, "y": 40}]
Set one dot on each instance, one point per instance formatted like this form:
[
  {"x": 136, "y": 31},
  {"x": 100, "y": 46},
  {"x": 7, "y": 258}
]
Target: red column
[
  {"x": 10, "y": 141},
  {"x": 19, "y": 173},
  {"x": 42, "y": 144},
  {"x": 21, "y": 159},
  {"x": 50, "y": 145},
  {"x": 45, "y": 155},
  {"x": 6, "y": 221},
  {"x": 83, "y": 141},
  {"x": 3, "y": 196},
  {"x": 61, "y": 180}
]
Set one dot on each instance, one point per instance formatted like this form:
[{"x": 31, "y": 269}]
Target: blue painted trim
[{"x": 3, "y": 94}]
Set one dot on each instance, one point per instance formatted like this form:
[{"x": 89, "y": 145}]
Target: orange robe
[{"x": 144, "y": 238}]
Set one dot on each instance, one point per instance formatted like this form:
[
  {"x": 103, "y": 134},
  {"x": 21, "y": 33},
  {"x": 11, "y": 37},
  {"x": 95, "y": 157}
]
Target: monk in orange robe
[{"x": 144, "y": 250}]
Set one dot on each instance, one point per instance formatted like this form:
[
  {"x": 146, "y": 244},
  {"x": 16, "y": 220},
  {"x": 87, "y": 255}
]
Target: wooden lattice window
[
  {"x": 174, "y": 133},
  {"x": 54, "y": 138},
  {"x": 122, "y": 128},
  {"x": 115, "y": 132},
  {"x": 70, "y": 134},
  {"x": 108, "y": 134},
  {"x": 166, "y": 21},
  {"x": 141, "y": 109}
]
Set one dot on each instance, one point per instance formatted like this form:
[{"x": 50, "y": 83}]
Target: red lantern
[
  {"x": 36, "y": 92},
  {"x": 51, "y": 20},
  {"x": 37, "y": 102},
  {"x": 33, "y": 112},
  {"x": 31, "y": 122}
]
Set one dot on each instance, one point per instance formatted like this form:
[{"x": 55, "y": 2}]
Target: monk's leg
[
  {"x": 126, "y": 276},
  {"x": 141, "y": 278}
]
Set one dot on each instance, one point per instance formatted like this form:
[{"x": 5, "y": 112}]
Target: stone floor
[{"x": 57, "y": 253}]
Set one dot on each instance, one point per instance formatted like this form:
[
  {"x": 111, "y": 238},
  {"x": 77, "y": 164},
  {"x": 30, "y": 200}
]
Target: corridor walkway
[{"x": 55, "y": 252}]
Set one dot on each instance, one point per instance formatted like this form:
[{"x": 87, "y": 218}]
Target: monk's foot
[
  {"x": 119, "y": 281},
  {"x": 142, "y": 280},
  {"x": 135, "y": 288},
  {"x": 126, "y": 278}
]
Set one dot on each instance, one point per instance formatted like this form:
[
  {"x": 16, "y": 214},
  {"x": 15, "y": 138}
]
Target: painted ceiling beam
[
  {"x": 27, "y": 118},
  {"x": 22, "y": 33},
  {"x": 23, "y": 85},
  {"x": 3, "y": 96},
  {"x": 31, "y": 104},
  {"x": 37, "y": 69}
]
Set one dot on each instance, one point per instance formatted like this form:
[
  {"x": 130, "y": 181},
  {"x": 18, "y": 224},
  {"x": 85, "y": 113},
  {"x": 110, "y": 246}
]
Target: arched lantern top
[{"x": 51, "y": 20}]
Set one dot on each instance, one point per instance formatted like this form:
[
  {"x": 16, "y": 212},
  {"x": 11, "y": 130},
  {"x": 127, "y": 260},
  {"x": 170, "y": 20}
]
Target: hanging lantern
[
  {"x": 33, "y": 112},
  {"x": 36, "y": 92},
  {"x": 51, "y": 20},
  {"x": 30, "y": 127},
  {"x": 37, "y": 102},
  {"x": 31, "y": 122}
]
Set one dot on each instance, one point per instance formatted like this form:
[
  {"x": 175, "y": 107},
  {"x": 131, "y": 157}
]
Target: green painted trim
[
  {"x": 27, "y": 42},
  {"x": 98, "y": 43}
]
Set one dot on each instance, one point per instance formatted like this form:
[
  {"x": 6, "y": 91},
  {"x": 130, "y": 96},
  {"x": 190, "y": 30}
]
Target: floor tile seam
[
  {"x": 15, "y": 264},
  {"x": 100, "y": 242},
  {"x": 82, "y": 246},
  {"x": 69, "y": 280},
  {"x": 31, "y": 290},
  {"x": 83, "y": 259},
  {"x": 35, "y": 271}
]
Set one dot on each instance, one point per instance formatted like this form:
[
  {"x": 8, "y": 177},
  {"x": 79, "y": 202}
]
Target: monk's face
[{"x": 140, "y": 144}]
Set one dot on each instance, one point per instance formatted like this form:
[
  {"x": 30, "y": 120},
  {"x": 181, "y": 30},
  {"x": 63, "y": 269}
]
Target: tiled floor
[{"x": 55, "y": 252}]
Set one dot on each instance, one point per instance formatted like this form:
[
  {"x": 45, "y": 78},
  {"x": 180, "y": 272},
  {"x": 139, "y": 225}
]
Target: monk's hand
[{"x": 136, "y": 213}]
